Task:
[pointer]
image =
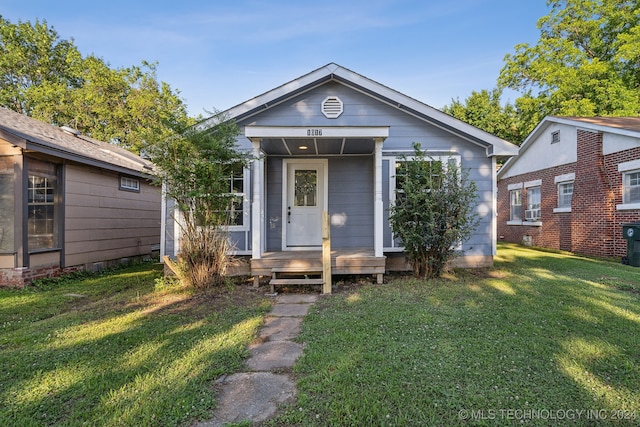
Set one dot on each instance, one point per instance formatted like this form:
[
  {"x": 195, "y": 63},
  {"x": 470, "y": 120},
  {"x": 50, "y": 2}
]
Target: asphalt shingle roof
[{"x": 42, "y": 137}]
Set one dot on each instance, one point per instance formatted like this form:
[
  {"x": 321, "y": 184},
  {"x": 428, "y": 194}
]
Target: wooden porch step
[
  {"x": 296, "y": 282},
  {"x": 295, "y": 271}
]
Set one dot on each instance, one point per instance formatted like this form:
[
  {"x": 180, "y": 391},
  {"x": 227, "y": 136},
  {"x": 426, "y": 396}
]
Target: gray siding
[
  {"x": 350, "y": 177},
  {"x": 351, "y": 201},
  {"x": 273, "y": 172},
  {"x": 104, "y": 223}
]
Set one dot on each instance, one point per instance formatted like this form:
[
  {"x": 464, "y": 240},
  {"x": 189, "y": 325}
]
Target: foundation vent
[{"x": 332, "y": 107}]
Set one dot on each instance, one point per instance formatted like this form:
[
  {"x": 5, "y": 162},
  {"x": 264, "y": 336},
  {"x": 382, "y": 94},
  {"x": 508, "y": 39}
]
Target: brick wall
[
  {"x": 555, "y": 232},
  {"x": 593, "y": 225}
]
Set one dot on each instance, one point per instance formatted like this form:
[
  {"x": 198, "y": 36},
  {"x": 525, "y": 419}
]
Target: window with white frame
[
  {"x": 565, "y": 194},
  {"x": 631, "y": 187},
  {"x": 515, "y": 204},
  {"x": 532, "y": 213},
  {"x": 397, "y": 177},
  {"x": 238, "y": 206},
  {"x": 630, "y": 184},
  {"x": 433, "y": 176},
  {"x": 129, "y": 184}
]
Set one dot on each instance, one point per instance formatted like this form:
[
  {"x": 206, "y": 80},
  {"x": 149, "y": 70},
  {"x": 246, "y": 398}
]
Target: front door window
[{"x": 306, "y": 188}]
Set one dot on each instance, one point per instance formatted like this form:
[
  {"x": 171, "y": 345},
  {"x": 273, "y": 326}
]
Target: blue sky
[{"x": 221, "y": 53}]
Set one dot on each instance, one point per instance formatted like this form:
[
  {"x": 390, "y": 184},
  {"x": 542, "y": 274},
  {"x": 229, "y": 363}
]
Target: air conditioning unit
[{"x": 532, "y": 214}]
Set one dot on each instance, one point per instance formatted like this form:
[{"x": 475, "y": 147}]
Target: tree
[
  {"x": 484, "y": 111},
  {"x": 47, "y": 78},
  {"x": 586, "y": 62},
  {"x": 434, "y": 211},
  {"x": 195, "y": 168}
]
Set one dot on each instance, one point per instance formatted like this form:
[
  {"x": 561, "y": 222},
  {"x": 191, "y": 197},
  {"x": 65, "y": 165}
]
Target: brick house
[{"x": 572, "y": 185}]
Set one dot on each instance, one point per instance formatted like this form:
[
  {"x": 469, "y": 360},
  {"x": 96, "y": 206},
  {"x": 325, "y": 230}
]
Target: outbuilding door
[{"x": 305, "y": 186}]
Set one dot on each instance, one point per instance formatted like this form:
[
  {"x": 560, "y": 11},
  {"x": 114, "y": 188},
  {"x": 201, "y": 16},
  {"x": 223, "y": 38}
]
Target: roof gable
[
  {"x": 31, "y": 134},
  {"x": 625, "y": 126},
  {"x": 332, "y": 72}
]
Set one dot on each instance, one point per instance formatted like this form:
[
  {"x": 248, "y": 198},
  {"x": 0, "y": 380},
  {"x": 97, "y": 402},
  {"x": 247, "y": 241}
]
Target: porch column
[
  {"x": 378, "y": 206},
  {"x": 256, "y": 203}
]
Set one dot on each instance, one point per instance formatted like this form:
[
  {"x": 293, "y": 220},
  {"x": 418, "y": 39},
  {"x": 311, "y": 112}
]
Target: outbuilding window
[
  {"x": 42, "y": 218},
  {"x": 129, "y": 184}
]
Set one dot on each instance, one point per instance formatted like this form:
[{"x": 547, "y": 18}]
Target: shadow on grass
[
  {"x": 541, "y": 332},
  {"x": 122, "y": 354}
]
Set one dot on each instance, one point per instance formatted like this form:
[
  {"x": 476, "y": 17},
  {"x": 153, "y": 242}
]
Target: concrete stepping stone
[
  {"x": 252, "y": 396},
  {"x": 290, "y": 310},
  {"x": 281, "y": 328},
  {"x": 273, "y": 355},
  {"x": 296, "y": 298}
]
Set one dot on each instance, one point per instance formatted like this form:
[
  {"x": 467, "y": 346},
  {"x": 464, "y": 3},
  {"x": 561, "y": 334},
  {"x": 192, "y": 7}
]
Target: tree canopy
[
  {"x": 585, "y": 63},
  {"x": 46, "y": 77}
]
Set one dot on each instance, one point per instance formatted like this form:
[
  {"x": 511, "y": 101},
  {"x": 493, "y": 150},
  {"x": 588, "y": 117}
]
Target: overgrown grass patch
[
  {"x": 542, "y": 338},
  {"x": 111, "y": 350}
]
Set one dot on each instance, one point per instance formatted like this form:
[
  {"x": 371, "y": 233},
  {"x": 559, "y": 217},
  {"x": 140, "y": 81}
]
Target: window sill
[
  {"x": 628, "y": 206},
  {"x": 45, "y": 250},
  {"x": 561, "y": 210},
  {"x": 526, "y": 223}
]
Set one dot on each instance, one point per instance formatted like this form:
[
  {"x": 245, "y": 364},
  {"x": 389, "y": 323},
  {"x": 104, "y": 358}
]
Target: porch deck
[{"x": 343, "y": 261}]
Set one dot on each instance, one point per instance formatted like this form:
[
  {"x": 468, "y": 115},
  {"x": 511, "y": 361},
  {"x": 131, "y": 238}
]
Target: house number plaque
[{"x": 314, "y": 132}]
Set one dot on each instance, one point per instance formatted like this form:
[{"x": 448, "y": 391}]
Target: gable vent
[{"x": 332, "y": 107}]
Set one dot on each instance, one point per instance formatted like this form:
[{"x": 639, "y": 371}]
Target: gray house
[
  {"x": 69, "y": 202},
  {"x": 332, "y": 141}
]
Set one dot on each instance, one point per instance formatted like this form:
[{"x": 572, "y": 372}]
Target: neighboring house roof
[
  {"x": 65, "y": 143},
  {"x": 627, "y": 126},
  {"x": 333, "y": 72}
]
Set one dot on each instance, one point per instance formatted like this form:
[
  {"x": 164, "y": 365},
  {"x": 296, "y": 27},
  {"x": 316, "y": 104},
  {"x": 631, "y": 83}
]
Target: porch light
[{"x": 303, "y": 147}]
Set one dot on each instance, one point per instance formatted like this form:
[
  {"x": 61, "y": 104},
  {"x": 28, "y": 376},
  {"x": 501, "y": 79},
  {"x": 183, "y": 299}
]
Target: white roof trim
[
  {"x": 495, "y": 146},
  {"x": 578, "y": 124},
  {"x": 316, "y": 132}
]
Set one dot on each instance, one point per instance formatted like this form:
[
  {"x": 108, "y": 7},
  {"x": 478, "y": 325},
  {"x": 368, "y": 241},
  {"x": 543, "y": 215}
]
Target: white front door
[{"x": 304, "y": 200}]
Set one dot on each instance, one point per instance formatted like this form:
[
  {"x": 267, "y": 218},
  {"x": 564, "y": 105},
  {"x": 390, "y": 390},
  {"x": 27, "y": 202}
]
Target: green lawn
[
  {"x": 541, "y": 339},
  {"x": 110, "y": 350}
]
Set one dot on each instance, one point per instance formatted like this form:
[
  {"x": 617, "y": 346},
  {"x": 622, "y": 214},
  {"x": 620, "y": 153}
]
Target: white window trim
[
  {"x": 561, "y": 210},
  {"x": 246, "y": 217},
  {"x": 563, "y": 179},
  {"x": 628, "y": 206},
  {"x": 512, "y": 187},
  {"x": 535, "y": 183},
  {"x": 625, "y": 168},
  {"x": 126, "y": 179},
  {"x": 393, "y": 161},
  {"x": 629, "y": 166},
  {"x": 517, "y": 186}
]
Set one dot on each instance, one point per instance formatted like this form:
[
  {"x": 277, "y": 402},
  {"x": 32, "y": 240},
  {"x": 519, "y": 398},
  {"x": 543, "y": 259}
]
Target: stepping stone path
[{"x": 254, "y": 395}]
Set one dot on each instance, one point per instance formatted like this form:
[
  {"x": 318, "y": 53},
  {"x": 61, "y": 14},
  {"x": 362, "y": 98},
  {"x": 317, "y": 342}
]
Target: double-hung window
[
  {"x": 42, "y": 221},
  {"x": 630, "y": 185},
  {"x": 515, "y": 203},
  {"x": 533, "y": 204},
  {"x": 238, "y": 204},
  {"x": 565, "y": 194}
]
